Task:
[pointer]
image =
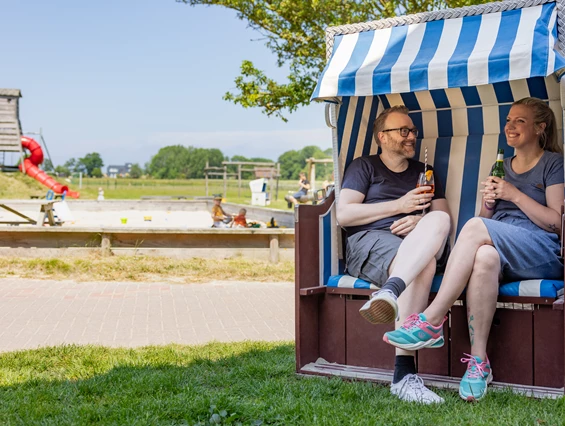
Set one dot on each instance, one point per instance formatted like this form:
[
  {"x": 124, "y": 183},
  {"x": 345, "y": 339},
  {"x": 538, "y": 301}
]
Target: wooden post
[
  {"x": 239, "y": 180},
  {"x": 106, "y": 246},
  {"x": 225, "y": 181},
  {"x": 313, "y": 177},
  {"x": 278, "y": 176},
  {"x": 206, "y": 177},
  {"x": 274, "y": 248}
]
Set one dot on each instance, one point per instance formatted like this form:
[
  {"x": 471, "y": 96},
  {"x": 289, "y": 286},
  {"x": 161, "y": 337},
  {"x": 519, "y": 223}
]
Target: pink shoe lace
[
  {"x": 412, "y": 321},
  {"x": 474, "y": 373}
]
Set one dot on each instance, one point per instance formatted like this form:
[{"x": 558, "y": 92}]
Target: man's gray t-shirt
[
  {"x": 547, "y": 172},
  {"x": 379, "y": 184}
]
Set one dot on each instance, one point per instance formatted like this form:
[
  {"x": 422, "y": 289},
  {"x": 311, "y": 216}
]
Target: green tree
[
  {"x": 295, "y": 32},
  {"x": 293, "y": 162},
  {"x": 171, "y": 162},
  {"x": 48, "y": 165},
  {"x": 241, "y": 158},
  {"x": 96, "y": 172},
  {"x": 62, "y": 171},
  {"x": 179, "y": 162},
  {"x": 90, "y": 162},
  {"x": 136, "y": 172},
  {"x": 68, "y": 168},
  {"x": 198, "y": 158},
  {"x": 70, "y": 165}
]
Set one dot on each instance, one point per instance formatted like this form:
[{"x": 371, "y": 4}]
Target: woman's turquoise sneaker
[{"x": 474, "y": 383}]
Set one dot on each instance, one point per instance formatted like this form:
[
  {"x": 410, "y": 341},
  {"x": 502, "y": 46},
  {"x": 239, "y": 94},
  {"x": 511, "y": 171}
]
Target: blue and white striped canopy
[{"x": 452, "y": 53}]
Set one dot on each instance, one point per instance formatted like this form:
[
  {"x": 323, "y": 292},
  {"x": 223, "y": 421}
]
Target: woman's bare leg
[
  {"x": 459, "y": 268},
  {"x": 415, "y": 298},
  {"x": 482, "y": 293},
  {"x": 421, "y": 245}
]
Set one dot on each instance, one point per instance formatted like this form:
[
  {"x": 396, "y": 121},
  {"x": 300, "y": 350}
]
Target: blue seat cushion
[
  {"x": 530, "y": 288},
  {"x": 347, "y": 281}
]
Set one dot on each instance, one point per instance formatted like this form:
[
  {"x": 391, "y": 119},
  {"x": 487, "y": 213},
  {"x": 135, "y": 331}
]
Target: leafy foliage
[
  {"x": 295, "y": 32},
  {"x": 241, "y": 158},
  {"x": 294, "y": 162},
  {"x": 48, "y": 165},
  {"x": 89, "y": 162},
  {"x": 179, "y": 162},
  {"x": 136, "y": 172}
]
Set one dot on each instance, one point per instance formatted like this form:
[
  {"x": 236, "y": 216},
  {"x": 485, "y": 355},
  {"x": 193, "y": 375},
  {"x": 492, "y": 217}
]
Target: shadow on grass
[{"x": 248, "y": 382}]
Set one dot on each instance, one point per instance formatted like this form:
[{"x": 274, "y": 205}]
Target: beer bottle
[{"x": 498, "y": 170}]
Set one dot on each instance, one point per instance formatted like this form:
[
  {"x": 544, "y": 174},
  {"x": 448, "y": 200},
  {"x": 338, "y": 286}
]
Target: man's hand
[
  {"x": 415, "y": 200},
  {"x": 404, "y": 226}
]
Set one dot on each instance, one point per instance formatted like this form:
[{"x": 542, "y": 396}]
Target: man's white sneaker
[
  {"x": 411, "y": 389},
  {"x": 382, "y": 308}
]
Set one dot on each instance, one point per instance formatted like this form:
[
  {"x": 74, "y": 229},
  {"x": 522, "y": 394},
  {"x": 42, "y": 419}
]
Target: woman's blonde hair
[{"x": 548, "y": 140}]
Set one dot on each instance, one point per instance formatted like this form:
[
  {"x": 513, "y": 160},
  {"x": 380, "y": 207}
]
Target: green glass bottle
[{"x": 498, "y": 170}]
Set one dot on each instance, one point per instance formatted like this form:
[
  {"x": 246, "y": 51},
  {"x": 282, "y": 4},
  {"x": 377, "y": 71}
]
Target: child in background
[
  {"x": 240, "y": 221},
  {"x": 219, "y": 216}
]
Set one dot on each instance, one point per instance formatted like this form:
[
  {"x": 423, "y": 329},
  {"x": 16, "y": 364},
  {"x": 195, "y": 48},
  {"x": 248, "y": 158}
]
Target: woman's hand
[
  {"x": 499, "y": 189},
  {"x": 404, "y": 226}
]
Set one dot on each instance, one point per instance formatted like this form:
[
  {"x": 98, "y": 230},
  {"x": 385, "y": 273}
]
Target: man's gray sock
[{"x": 394, "y": 284}]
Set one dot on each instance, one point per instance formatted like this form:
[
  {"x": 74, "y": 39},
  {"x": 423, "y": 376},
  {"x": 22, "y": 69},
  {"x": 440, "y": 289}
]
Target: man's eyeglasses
[{"x": 404, "y": 131}]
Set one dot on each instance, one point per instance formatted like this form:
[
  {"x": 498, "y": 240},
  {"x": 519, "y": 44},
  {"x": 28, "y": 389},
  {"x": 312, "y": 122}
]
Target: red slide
[{"x": 34, "y": 160}]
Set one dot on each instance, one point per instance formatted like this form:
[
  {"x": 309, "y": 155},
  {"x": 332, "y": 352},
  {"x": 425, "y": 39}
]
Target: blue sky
[{"x": 125, "y": 78}]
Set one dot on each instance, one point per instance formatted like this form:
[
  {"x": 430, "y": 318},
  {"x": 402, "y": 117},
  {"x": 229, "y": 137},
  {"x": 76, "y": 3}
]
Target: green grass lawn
[
  {"x": 19, "y": 186},
  {"x": 136, "y": 188},
  {"x": 238, "y": 383}
]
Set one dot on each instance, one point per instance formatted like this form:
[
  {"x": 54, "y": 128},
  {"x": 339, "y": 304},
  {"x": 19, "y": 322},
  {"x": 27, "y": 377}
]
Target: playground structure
[
  {"x": 10, "y": 127},
  {"x": 311, "y": 167},
  {"x": 11, "y": 140},
  {"x": 458, "y": 97},
  {"x": 270, "y": 171}
]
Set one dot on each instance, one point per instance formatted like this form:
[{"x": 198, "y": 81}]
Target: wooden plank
[
  {"x": 348, "y": 372},
  {"x": 332, "y": 328},
  {"x": 435, "y": 360},
  {"x": 307, "y": 275},
  {"x": 548, "y": 347},
  {"x": 510, "y": 346},
  {"x": 311, "y": 291},
  {"x": 274, "y": 248},
  {"x": 17, "y": 213},
  {"x": 365, "y": 345}
]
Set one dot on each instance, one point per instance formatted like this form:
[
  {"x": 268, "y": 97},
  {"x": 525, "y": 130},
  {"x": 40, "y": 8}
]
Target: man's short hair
[{"x": 379, "y": 124}]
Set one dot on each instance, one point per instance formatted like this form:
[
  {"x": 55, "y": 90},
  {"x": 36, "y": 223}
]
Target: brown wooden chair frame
[{"x": 526, "y": 343}]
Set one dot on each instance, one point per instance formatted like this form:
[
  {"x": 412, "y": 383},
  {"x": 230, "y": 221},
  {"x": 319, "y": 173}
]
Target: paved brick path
[{"x": 43, "y": 313}]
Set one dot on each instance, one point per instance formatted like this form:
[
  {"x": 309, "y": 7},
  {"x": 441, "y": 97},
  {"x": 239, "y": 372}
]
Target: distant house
[{"x": 118, "y": 171}]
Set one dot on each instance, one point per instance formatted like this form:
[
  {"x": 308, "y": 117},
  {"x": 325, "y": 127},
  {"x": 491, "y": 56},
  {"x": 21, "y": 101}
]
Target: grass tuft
[{"x": 145, "y": 268}]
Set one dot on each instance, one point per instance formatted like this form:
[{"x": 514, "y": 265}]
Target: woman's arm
[{"x": 548, "y": 218}]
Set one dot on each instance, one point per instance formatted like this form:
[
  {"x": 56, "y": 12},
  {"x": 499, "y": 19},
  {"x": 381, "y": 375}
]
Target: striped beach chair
[{"x": 458, "y": 72}]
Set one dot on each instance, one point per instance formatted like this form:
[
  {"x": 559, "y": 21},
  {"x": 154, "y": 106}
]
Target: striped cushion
[
  {"x": 346, "y": 281},
  {"x": 531, "y": 288}
]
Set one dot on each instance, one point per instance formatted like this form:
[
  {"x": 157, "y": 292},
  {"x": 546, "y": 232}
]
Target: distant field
[{"x": 18, "y": 186}]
